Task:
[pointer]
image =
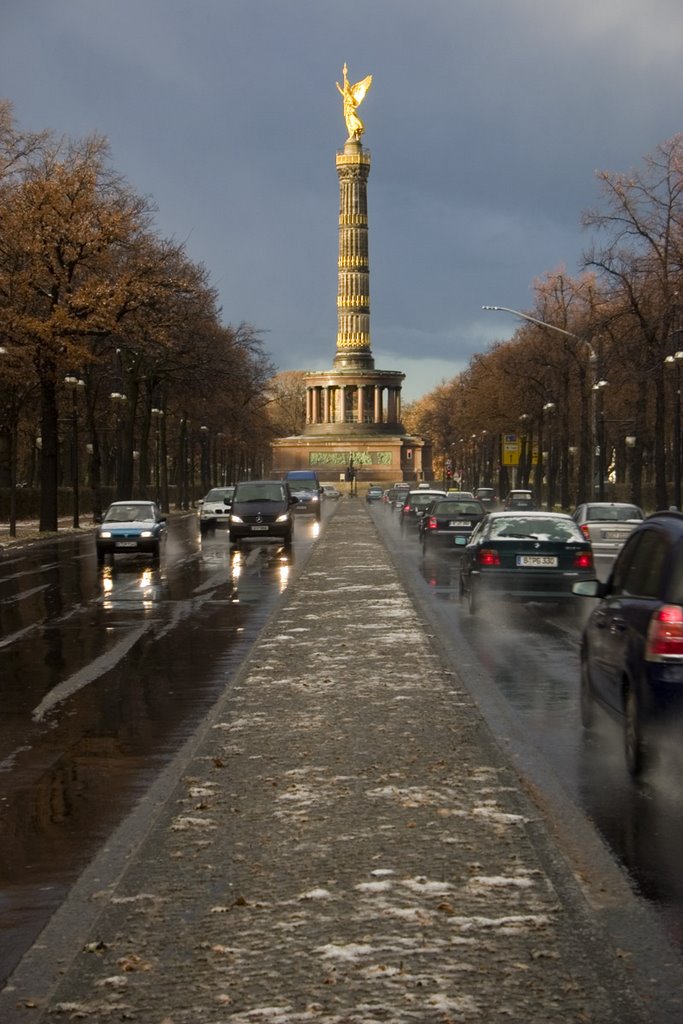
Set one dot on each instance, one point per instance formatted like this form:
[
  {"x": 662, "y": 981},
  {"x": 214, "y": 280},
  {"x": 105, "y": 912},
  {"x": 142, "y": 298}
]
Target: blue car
[
  {"x": 632, "y": 643},
  {"x": 129, "y": 528}
]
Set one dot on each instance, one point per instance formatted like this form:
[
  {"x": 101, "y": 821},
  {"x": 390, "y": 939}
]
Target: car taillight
[
  {"x": 585, "y": 531},
  {"x": 583, "y": 560},
  {"x": 432, "y": 523},
  {"x": 406, "y": 508},
  {"x": 489, "y": 556},
  {"x": 665, "y": 634}
]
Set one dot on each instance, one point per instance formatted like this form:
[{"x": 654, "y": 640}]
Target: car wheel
[
  {"x": 156, "y": 552},
  {"x": 587, "y": 700},
  {"x": 473, "y": 598},
  {"x": 235, "y": 541},
  {"x": 100, "y": 557},
  {"x": 634, "y": 741},
  {"x": 288, "y": 539},
  {"x": 203, "y": 528}
]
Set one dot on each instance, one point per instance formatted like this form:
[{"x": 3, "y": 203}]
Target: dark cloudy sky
[{"x": 486, "y": 121}]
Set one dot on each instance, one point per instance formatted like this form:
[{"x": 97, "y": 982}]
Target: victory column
[{"x": 353, "y": 412}]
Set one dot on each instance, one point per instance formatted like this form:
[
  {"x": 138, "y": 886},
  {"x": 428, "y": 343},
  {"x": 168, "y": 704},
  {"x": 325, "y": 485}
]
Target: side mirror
[
  {"x": 590, "y": 588},
  {"x": 294, "y": 500}
]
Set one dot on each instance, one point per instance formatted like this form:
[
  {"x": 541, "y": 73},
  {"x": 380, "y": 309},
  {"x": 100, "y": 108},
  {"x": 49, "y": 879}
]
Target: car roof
[
  {"x": 610, "y": 504},
  {"x": 529, "y": 514},
  {"x": 132, "y": 501},
  {"x": 671, "y": 518}
]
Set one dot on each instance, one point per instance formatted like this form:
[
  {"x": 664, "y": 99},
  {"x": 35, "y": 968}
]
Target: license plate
[
  {"x": 255, "y": 528},
  {"x": 459, "y": 522},
  {"x": 538, "y": 561},
  {"x": 126, "y": 544}
]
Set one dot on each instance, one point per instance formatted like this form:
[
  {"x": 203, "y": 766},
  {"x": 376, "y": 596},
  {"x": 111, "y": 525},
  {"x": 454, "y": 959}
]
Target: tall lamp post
[
  {"x": 524, "y": 460},
  {"x": 549, "y": 409},
  {"x": 157, "y": 414},
  {"x": 598, "y": 389},
  {"x": 674, "y": 362},
  {"x": 75, "y": 384},
  {"x": 119, "y": 400},
  {"x": 593, "y": 361}
]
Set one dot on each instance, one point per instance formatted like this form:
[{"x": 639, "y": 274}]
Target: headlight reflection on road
[
  {"x": 145, "y": 585},
  {"x": 236, "y": 565},
  {"x": 284, "y": 573}
]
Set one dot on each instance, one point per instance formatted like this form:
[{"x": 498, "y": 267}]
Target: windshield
[
  {"x": 220, "y": 494},
  {"x": 259, "y": 492},
  {"x": 535, "y": 527},
  {"x": 129, "y": 514},
  {"x": 613, "y": 514},
  {"x": 303, "y": 485},
  {"x": 460, "y": 508}
]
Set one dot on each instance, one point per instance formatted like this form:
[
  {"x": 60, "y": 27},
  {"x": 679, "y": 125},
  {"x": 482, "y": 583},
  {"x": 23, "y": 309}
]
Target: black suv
[
  {"x": 632, "y": 643},
  {"x": 261, "y": 510}
]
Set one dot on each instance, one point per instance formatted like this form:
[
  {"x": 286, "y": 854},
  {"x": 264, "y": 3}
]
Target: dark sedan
[
  {"x": 632, "y": 643},
  {"x": 131, "y": 527},
  {"x": 447, "y": 524},
  {"x": 415, "y": 505},
  {"x": 527, "y": 556}
]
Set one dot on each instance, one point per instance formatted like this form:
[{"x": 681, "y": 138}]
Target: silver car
[
  {"x": 607, "y": 524},
  {"x": 214, "y": 509}
]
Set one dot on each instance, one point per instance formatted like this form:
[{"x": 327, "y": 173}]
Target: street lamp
[
  {"x": 74, "y": 384},
  {"x": 598, "y": 389},
  {"x": 119, "y": 400},
  {"x": 674, "y": 362},
  {"x": 157, "y": 414},
  {"x": 549, "y": 409},
  {"x": 204, "y": 451},
  {"x": 524, "y": 460},
  {"x": 592, "y": 359}
]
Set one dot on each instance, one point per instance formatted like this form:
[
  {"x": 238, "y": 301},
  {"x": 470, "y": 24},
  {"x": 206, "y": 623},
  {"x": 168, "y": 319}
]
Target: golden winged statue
[{"x": 353, "y": 96}]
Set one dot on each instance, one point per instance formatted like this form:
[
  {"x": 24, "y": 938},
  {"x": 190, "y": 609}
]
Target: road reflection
[
  {"x": 104, "y": 672},
  {"x": 142, "y": 588}
]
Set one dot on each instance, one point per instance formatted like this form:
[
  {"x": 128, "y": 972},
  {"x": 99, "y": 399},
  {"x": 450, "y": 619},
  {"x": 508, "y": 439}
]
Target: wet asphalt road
[
  {"x": 105, "y": 672},
  {"x": 528, "y": 656}
]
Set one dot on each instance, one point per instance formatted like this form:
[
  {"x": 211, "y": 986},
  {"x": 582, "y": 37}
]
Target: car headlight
[
  {"x": 314, "y": 498},
  {"x": 146, "y": 533},
  {"x": 283, "y": 518},
  {"x": 235, "y": 519},
  {"x": 105, "y": 534}
]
